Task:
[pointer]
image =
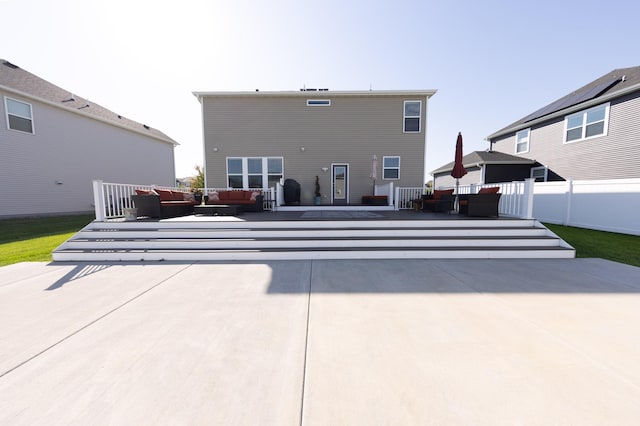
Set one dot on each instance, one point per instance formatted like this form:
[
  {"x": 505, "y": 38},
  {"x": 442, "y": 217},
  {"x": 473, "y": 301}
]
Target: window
[
  {"x": 522, "y": 141},
  {"x": 19, "y": 115},
  {"x": 390, "y": 167},
  {"x": 587, "y": 124},
  {"x": 318, "y": 102},
  {"x": 539, "y": 173},
  {"x": 412, "y": 113},
  {"x": 254, "y": 172}
]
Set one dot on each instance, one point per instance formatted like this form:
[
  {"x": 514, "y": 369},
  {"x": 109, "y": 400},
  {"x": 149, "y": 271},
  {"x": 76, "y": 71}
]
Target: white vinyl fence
[{"x": 606, "y": 205}]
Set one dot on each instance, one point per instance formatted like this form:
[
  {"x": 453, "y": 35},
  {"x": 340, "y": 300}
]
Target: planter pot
[
  {"x": 130, "y": 214},
  {"x": 317, "y": 201}
]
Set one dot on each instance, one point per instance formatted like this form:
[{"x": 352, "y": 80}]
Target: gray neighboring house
[
  {"x": 485, "y": 167},
  {"x": 256, "y": 139},
  {"x": 591, "y": 133},
  {"x": 53, "y": 144}
]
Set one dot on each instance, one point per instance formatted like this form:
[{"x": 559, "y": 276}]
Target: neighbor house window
[
  {"x": 390, "y": 167},
  {"x": 522, "y": 141},
  {"x": 318, "y": 102},
  {"x": 412, "y": 113},
  {"x": 254, "y": 172},
  {"x": 19, "y": 115},
  {"x": 587, "y": 124},
  {"x": 539, "y": 173}
]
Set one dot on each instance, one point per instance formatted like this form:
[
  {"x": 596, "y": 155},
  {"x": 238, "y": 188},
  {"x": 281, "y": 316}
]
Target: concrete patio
[{"x": 514, "y": 341}]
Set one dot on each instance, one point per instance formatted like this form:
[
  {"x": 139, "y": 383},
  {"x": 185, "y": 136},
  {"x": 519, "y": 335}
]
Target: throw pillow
[
  {"x": 214, "y": 196},
  {"x": 142, "y": 192},
  {"x": 188, "y": 196},
  {"x": 254, "y": 194}
]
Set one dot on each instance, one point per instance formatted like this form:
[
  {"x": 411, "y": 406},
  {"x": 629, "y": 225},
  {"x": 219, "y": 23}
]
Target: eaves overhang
[
  {"x": 317, "y": 94},
  {"x": 593, "y": 102},
  {"x": 85, "y": 114}
]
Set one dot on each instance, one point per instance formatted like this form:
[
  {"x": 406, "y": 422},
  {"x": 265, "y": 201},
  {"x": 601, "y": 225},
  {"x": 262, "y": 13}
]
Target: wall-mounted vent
[{"x": 318, "y": 102}]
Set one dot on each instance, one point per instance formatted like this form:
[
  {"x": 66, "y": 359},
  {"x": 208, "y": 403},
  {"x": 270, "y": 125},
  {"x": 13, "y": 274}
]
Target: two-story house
[
  {"x": 257, "y": 139},
  {"x": 591, "y": 133},
  {"x": 54, "y": 143}
]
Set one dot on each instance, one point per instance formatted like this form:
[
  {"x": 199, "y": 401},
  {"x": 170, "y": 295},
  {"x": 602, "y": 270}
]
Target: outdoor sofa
[
  {"x": 162, "y": 203},
  {"x": 248, "y": 200},
  {"x": 484, "y": 203}
]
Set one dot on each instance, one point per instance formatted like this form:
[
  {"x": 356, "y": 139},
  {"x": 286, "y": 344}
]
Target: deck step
[{"x": 269, "y": 240}]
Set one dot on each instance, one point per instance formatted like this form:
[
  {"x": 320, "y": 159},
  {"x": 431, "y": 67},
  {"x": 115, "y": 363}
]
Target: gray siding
[
  {"x": 351, "y": 131},
  {"x": 473, "y": 176},
  {"x": 614, "y": 156},
  {"x": 76, "y": 150}
]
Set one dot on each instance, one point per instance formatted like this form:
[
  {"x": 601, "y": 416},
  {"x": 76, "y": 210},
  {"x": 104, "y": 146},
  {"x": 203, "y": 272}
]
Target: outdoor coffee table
[{"x": 217, "y": 210}]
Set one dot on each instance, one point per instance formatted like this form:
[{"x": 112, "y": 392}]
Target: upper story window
[
  {"x": 412, "y": 114},
  {"x": 522, "y": 141},
  {"x": 19, "y": 115},
  {"x": 391, "y": 167},
  {"x": 318, "y": 102},
  {"x": 587, "y": 124}
]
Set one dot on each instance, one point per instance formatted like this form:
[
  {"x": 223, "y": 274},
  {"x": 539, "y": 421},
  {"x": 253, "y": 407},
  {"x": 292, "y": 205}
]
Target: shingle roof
[
  {"x": 15, "y": 79},
  {"x": 609, "y": 86},
  {"x": 485, "y": 157}
]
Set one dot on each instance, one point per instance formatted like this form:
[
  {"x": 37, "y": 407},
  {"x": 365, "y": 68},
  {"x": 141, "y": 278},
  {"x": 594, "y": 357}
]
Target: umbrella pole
[{"x": 457, "y": 202}]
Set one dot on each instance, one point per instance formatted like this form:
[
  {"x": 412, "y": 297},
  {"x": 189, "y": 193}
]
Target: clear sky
[{"x": 492, "y": 62}]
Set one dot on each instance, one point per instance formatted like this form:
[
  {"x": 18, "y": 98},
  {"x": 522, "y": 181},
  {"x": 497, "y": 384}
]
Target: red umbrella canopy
[{"x": 458, "y": 169}]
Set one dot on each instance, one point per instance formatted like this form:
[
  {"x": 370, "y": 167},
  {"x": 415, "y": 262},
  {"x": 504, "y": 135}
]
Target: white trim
[
  {"x": 346, "y": 189},
  {"x": 405, "y": 116},
  {"x": 245, "y": 170},
  {"x": 546, "y": 172},
  {"x": 583, "y": 113},
  {"x": 6, "y": 111},
  {"x": 318, "y": 102},
  {"x": 323, "y": 94},
  {"x": 528, "y": 140},
  {"x": 391, "y": 168}
]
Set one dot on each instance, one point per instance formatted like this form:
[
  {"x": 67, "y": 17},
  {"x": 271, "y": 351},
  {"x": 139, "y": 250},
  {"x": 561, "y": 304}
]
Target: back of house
[{"x": 258, "y": 139}]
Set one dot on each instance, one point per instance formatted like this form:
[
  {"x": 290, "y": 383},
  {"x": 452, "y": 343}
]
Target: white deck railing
[
  {"x": 405, "y": 196},
  {"x": 110, "y": 199},
  {"x": 516, "y": 199}
]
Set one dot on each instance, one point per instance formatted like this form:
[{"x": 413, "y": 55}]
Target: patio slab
[{"x": 321, "y": 342}]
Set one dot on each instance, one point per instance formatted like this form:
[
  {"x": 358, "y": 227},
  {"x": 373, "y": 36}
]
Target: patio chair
[
  {"x": 483, "y": 204},
  {"x": 440, "y": 201}
]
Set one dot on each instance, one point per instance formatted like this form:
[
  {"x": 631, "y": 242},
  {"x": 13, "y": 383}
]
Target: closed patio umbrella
[
  {"x": 374, "y": 172},
  {"x": 458, "y": 168}
]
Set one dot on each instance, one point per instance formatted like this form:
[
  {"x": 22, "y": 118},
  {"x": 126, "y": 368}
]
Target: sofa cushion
[
  {"x": 236, "y": 195},
  {"x": 177, "y": 196},
  {"x": 188, "y": 196},
  {"x": 164, "y": 195},
  {"x": 438, "y": 193},
  {"x": 491, "y": 190},
  {"x": 142, "y": 192}
]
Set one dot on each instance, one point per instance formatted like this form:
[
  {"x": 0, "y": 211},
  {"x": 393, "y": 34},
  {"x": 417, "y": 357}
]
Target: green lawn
[
  {"x": 607, "y": 245},
  {"x": 33, "y": 239}
]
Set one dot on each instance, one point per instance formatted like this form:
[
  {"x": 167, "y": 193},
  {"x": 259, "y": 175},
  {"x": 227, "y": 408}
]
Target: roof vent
[
  {"x": 624, "y": 78},
  {"x": 85, "y": 106},
  {"x": 71, "y": 99},
  {"x": 146, "y": 127},
  {"x": 10, "y": 65}
]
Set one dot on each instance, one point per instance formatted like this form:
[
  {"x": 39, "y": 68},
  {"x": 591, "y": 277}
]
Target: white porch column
[
  {"x": 98, "y": 200},
  {"x": 527, "y": 199}
]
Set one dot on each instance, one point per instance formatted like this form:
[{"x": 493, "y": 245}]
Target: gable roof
[
  {"x": 16, "y": 80},
  {"x": 483, "y": 158},
  {"x": 612, "y": 85}
]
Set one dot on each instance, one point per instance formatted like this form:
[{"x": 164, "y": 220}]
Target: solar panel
[{"x": 574, "y": 99}]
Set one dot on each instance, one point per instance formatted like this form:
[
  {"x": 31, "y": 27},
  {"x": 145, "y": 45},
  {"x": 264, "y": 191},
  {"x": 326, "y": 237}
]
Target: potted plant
[{"x": 318, "y": 198}]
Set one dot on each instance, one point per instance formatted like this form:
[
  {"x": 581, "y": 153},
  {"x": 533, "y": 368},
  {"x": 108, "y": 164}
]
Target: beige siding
[
  {"x": 473, "y": 176},
  {"x": 613, "y": 156},
  {"x": 75, "y": 150},
  {"x": 350, "y": 131}
]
